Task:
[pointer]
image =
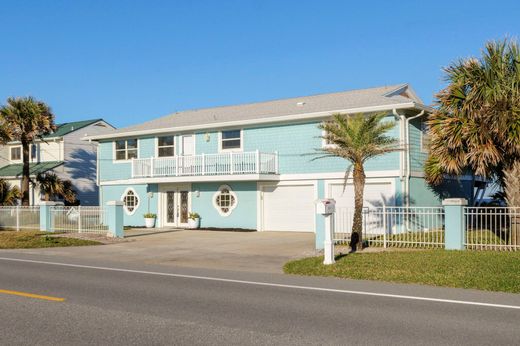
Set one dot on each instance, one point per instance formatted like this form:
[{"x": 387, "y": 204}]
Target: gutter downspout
[{"x": 407, "y": 146}]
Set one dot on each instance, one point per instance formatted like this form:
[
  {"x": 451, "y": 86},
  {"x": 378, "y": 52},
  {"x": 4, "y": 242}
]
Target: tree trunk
[
  {"x": 25, "y": 173},
  {"x": 356, "y": 241}
]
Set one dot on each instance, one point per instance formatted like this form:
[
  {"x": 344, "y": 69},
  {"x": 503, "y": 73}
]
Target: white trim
[
  {"x": 181, "y": 143},
  {"x": 282, "y": 118},
  {"x": 324, "y": 142},
  {"x": 220, "y": 150},
  {"x": 126, "y": 150},
  {"x": 21, "y": 154},
  {"x": 260, "y": 197},
  {"x": 128, "y": 189},
  {"x": 218, "y": 207},
  {"x": 338, "y": 175},
  {"x": 249, "y": 177},
  {"x": 156, "y": 144},
  {"x": 161, "y": 200}
]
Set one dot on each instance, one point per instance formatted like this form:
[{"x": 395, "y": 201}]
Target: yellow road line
[{"x": 30, "y": 295}]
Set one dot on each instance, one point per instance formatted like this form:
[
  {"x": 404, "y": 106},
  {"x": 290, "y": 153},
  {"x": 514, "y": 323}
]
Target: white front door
[
  {"x": 188, "y": 145},
  {"x": 175, "y": 203}
]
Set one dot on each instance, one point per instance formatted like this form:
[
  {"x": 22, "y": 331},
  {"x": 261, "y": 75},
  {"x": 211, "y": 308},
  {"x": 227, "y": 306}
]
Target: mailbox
[{"x": 325, "y": 206}]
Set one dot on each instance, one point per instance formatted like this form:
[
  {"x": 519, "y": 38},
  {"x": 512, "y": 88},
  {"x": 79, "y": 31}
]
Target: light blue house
[{"x": 251, "y": 166}]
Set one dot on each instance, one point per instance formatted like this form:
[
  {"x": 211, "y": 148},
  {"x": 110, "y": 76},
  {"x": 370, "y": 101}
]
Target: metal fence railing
[
  {"x": 413, "y": 227},
  {"x": 79, "y": 219},
  {"x": 20, "y": 218},
  {"x": 492, "y": 228}
]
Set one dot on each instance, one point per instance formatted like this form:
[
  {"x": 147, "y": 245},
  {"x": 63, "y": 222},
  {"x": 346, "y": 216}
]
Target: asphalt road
[{"x": 174, "y": 306}]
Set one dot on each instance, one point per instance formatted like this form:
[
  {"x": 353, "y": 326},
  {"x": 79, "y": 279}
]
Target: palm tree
[
  {"x": 358, "y": 138},
  {"x": 476, "y": 126},
  {"x": 9, "y": 195},
  {"x": 53, "y": 186},
  {"x": 25, "y": 119}
]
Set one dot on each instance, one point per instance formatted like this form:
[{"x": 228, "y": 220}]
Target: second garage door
[{"x": 288, "y": 208}]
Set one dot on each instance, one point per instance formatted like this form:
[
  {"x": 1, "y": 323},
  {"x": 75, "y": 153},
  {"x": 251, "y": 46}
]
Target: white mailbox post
[{"x": 327, "y": 208}]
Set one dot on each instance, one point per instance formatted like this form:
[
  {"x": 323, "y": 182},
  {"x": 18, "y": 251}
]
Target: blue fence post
[
  {"x": 45, "y": 216},
  {"x": 114, "y": 210},
  {"x": 454, "y": 223}
]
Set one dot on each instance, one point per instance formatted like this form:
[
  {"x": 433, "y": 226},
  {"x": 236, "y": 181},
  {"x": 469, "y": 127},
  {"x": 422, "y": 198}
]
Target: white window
[
  {"x": 225, "y": 200},
  {"x": 33, "y": 151},
  {"x": 126, "y": 149},
  {"x": 425, "y": 137},
  {"x": 231, "y": 140},
  {"x": 166, "y": 146},
  {"x": 130, "y": 201},
  {"x": 16, "y": 153}
]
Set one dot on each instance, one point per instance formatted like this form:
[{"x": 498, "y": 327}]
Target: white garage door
[
  {"x": 288, "y": 208},
  {"x": 374, "y": 196}
]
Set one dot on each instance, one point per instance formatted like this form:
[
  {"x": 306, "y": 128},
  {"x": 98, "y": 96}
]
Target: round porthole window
[
  {"x": 130, "y": 201},
  {"x": 225, "y": 200}
]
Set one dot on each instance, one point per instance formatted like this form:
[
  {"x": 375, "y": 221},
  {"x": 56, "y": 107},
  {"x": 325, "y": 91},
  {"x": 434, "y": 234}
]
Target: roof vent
[{"x": 300, "y": 104}]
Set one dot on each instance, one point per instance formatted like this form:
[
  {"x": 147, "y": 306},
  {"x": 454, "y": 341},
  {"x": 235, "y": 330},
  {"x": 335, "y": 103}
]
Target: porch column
[
  {"x": 455, "y": 227},
  {"x": 114, "y": 217},
  {"x": 45, "y": 216}
]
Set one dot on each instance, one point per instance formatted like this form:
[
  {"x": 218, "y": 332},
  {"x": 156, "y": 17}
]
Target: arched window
[
  {"x": 130, "y": 201},
  {"x": 225, "y": 200}
]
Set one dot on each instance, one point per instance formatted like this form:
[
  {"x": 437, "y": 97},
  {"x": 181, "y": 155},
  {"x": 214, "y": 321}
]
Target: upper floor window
[
  {"x": 425, "y": 137},
  {"x": 231, "y": 140},
  {"x": 165, "y": 146},
  {"x": 126, "y": 149},
  {"x": 16, "y": 153},
  {"x": 33, "y": 151}
]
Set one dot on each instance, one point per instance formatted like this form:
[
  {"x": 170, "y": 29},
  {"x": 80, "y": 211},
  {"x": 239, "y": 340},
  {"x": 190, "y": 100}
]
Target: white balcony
[{"x": 231, "y": 163}]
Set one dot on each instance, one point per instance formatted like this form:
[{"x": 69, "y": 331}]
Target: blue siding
[
  {"x": 297, "y": 146},
  {"x": 243, "y": 216},
  {"x": 115, "y": 193},
  {"x": 422, "y": 194}
]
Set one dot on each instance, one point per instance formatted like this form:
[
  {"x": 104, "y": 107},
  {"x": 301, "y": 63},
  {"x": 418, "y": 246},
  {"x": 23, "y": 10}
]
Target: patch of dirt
[{"x": 92, "y": 236}]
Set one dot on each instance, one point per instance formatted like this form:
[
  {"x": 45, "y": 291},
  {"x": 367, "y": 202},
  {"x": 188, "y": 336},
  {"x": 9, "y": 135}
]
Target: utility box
[{"x": 325, "y": 206}]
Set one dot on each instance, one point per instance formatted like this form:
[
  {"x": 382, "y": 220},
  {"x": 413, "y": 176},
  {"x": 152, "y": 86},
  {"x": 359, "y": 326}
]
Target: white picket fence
[
  {"x": 492, "y": 228},
  {"x": 79, "y": 219},
  {"x": 20, "y": 218},
  {"x": 416, "y": 227}
]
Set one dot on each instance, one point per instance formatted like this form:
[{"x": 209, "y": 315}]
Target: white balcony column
[
  {"x": 203, "y": 164},
  {"x": 151, "y": 166},
  {"x": 176, "y": 166},
  {"x": 257, "y": 161},
  {"x": 132, "y": 163}
]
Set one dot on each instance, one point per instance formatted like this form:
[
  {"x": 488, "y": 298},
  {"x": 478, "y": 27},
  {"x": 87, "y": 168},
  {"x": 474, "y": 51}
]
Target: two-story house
[
  {"x": 62, "y": 152},
  {"x": 252, "y": 165}
]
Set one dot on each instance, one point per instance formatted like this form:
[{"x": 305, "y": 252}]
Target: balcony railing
[{"x": 231, "y": 163}]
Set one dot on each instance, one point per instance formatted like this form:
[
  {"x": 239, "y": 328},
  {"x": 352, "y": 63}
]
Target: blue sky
[{"x": 131, "y": 61}]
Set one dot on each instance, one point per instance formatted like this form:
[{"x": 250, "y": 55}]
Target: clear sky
[{"x": 131, "y": 61}]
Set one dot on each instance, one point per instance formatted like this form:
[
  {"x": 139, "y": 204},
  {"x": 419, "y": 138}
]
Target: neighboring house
[
  {"x": 62, "y": 152},
  {"x": 251, "y": 166}
]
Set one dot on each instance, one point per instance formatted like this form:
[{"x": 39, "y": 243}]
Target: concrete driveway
[{"x": 244, "y": 251}]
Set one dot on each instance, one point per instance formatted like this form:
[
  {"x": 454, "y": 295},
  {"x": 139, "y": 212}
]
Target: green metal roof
[
  {"x": 15, "y": 170},
  {"x": 66, "y": 128}
]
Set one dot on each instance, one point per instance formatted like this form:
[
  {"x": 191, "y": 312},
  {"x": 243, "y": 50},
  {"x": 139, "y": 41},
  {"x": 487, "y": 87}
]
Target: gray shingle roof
[{"x": 379, "y": 96}]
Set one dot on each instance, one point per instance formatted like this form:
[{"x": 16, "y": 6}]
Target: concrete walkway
[{"x": 242, "y": 251}]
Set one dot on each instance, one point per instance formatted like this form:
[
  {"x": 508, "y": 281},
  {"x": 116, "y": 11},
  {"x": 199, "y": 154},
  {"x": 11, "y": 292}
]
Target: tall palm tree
[
  {"x": 9, "y": 195},
  {"x": 25, "y": 119},
  {"x": 53, "y": 186},
  {"x": 358, "y": 138},
  {"x": 476, "y": 125}
]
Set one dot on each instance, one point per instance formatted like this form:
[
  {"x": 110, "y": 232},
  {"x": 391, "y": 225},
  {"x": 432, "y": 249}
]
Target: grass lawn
[
  {"x": 35, "y": 239},
  {"x": 483, "y": 270}
]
